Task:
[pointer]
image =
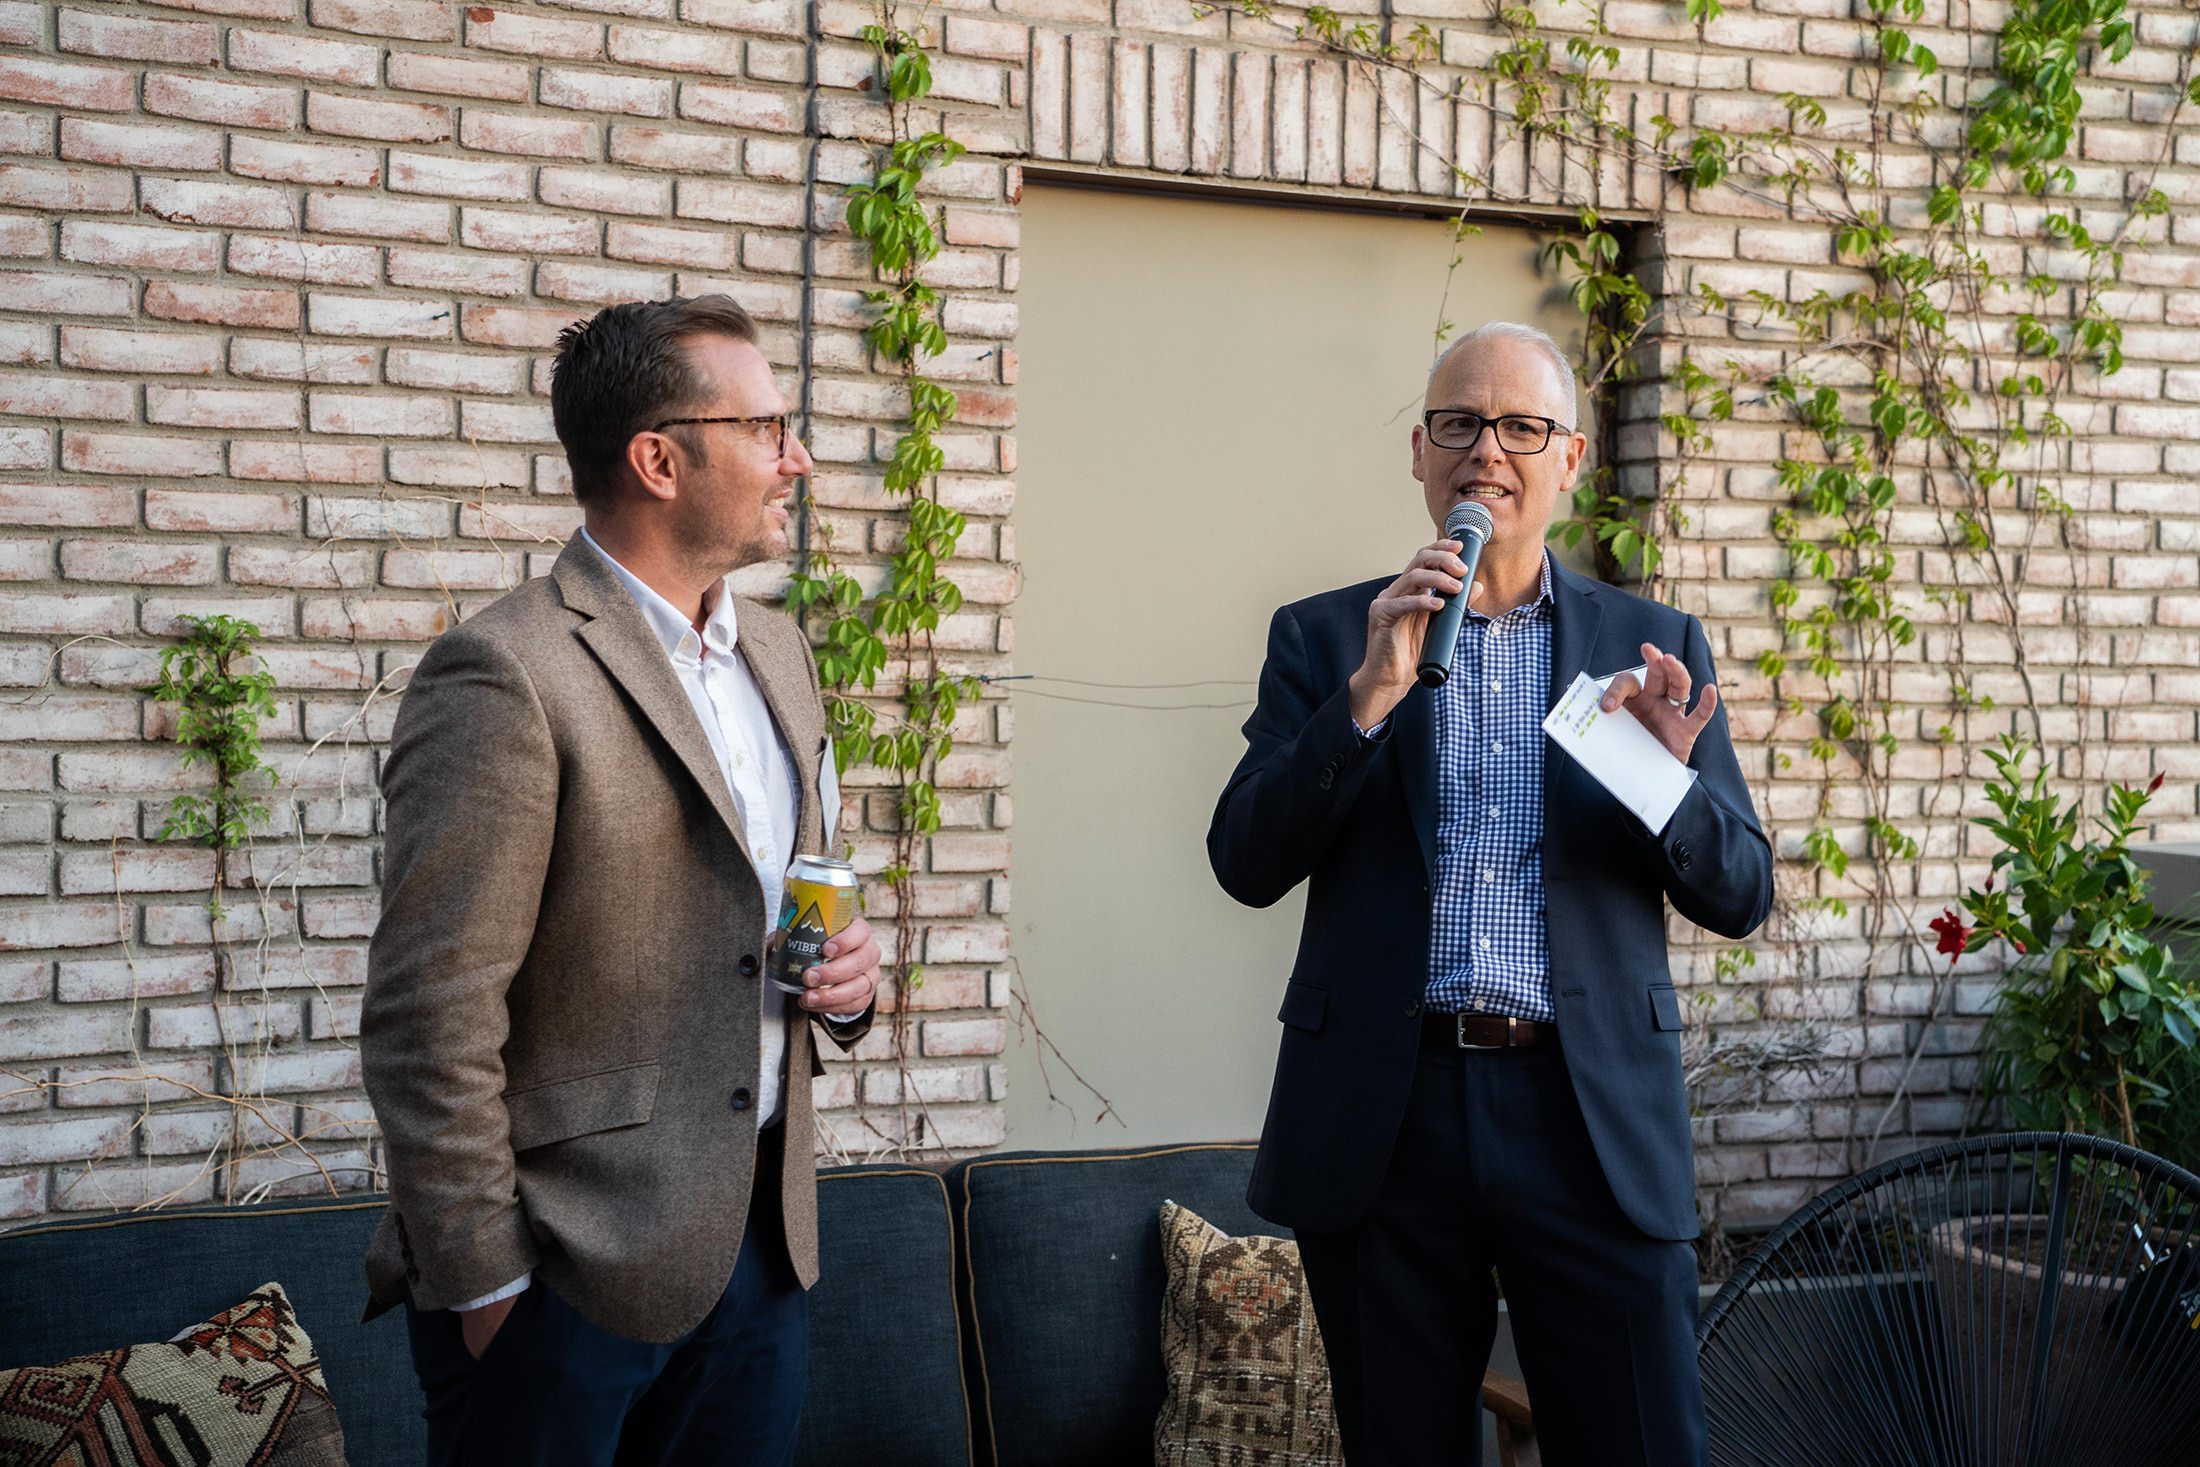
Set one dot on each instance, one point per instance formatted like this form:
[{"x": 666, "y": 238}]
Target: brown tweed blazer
[{"x": 560, "y": 1024}]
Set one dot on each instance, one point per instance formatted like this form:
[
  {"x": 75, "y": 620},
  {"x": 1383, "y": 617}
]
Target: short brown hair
[{"x": 625, "y": 368}]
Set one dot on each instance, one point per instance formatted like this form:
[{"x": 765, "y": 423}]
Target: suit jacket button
[
  {"x": 742, "y": 1099},
  {"x": 1329, "y": 776},
  {"x": 748, "y": 965},
  {"x": 1413, "y": 1008},
  {"x": 1680, "y": 856},
  {"x": 412, "y": 1275}
]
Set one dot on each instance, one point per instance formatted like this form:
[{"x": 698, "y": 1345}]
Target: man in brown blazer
[{"x": 596, "y": 1111}]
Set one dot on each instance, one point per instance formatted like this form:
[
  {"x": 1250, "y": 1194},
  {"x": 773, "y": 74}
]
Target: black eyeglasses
[
  {"x": 1516, "y": 432},
  {"x": 779, "y": 419}
]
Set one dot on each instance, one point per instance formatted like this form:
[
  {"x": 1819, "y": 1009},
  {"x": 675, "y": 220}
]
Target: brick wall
[{"x": 276, "y": 282}]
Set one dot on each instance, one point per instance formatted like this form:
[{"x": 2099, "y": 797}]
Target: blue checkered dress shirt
[{"x": 1489, "y": 952}]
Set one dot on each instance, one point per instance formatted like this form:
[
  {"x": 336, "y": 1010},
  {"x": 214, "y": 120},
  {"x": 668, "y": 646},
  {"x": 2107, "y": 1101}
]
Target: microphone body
[{"x": 1470, "y": 524}]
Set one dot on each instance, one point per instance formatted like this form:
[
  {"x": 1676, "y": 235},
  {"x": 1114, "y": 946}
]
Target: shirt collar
[
  {"x": 669, "y": 622},
  {"x": 1536, "y": 608}
]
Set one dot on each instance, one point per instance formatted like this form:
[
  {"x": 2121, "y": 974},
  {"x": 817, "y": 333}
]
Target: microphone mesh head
[{"x": 1468, "y": 519}]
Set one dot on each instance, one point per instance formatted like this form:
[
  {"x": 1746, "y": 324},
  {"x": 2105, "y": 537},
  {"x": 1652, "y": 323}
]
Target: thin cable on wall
[
  {"x": 1031, "y": 692},
  {"x": 1078, "y": 682},
  {"x": 1141, "y": 707}
]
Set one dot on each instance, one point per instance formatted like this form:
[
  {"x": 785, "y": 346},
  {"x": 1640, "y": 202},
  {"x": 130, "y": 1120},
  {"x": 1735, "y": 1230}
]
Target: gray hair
[{"x": 1541, "y": 340}]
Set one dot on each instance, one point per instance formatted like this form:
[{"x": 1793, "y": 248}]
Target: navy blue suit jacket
[{"x": 1312, "y": 801}]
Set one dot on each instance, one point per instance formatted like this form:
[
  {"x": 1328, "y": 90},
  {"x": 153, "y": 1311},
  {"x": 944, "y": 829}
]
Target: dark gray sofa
[{"x": 1006, "y": 1311}]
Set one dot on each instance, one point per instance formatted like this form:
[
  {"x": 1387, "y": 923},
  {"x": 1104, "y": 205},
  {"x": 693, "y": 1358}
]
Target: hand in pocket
[{"x": 480, "y": 1326}]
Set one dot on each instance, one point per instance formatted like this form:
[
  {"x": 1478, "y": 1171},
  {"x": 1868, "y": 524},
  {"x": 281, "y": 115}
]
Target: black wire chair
[{"x": 2029, "y": 1300}]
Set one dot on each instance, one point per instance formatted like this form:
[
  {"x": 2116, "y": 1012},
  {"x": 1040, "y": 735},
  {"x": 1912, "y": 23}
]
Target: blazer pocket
[
  {"x": 1665, "y": 1007},
  {"x": 1304, "y": 1006},
  {"x": 559, "y": 1110}
]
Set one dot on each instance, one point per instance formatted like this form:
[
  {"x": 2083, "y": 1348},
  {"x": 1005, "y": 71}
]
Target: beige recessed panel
[{"x": 1213, "y": 414}]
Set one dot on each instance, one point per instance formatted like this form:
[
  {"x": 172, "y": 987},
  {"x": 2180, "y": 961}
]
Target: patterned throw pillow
[
  {"x": 243, "y": 1389},
  {"x": 1248, "y": 1383}
]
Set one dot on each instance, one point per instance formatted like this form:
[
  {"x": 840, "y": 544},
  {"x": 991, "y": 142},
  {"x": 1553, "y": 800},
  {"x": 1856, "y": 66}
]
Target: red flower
[
  {"x": 2155, "y": 783},
  {"x": 1954, "y": 936},
  {"x": 1989, "y": 882}
]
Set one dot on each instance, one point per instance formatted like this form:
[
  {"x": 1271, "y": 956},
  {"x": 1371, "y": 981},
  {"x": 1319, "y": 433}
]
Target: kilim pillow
[
  {"x": 1248, "y": 1383},
  {"x": 244, "y": 1389}
]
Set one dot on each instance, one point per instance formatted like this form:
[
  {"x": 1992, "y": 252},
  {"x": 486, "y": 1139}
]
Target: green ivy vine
[
  {"x": 890, "y": 636},
  {"x": 221, "y": 700}
]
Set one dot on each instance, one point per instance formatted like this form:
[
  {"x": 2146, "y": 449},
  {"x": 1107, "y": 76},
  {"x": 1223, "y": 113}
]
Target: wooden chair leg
[
  {"x": 1506, "y": 1398},
  {"x": 1516, "y": 1446}
]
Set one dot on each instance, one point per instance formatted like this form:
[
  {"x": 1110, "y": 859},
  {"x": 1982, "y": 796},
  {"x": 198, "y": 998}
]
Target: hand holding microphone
[{"x": 1414, "y": 623}]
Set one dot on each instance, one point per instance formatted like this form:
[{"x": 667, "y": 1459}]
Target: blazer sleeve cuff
[
  {"x": 1333, "y": 750},
  {"x": 847, "y": 1033},
  {"x": 496, "y": 1253}
]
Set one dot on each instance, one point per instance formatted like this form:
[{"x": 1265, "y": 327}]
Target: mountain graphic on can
[{"x": 819, "y": 902}]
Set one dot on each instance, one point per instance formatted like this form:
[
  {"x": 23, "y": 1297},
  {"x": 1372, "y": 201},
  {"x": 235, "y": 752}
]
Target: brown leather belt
[{"x": 1486, "y": 1031}]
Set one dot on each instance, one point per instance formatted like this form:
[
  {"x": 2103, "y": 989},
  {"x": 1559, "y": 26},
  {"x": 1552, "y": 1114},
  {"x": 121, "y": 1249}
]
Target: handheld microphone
[{"x": 1470, "y": 524}]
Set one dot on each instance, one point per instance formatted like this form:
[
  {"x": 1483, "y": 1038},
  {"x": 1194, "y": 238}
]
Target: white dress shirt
[{"x": 759, "y": 771}]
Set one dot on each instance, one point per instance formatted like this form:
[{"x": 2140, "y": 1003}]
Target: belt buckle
[{"x": 1459, "y": 1032}]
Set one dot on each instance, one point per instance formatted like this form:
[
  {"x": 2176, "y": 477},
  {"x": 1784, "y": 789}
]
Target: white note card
[{"x": 1620, "y": 753}]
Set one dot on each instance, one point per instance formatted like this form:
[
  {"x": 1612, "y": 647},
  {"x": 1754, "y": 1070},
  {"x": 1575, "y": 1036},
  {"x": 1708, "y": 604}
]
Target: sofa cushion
[
  {"x": 1248, "y": 1381},
  {"x": 885, "y": 1345},
  {"x": 73, "y": 1288},
  {"x": 1064, "y": 1289},
  {"x": 241, "y": 1389}
]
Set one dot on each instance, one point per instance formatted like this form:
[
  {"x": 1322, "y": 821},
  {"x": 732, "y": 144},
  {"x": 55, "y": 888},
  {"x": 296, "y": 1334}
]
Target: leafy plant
[
  {"x": 860, "y": 641},
  {"x": 2094, "y": 1008},
  {"x": 220, "y": 702}
]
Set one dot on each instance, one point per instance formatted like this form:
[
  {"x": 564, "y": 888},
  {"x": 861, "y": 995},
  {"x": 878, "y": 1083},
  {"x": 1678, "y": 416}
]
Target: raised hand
[
  {"x": 1659, "y": 699},
  {"x": 1397, "y": 625}
]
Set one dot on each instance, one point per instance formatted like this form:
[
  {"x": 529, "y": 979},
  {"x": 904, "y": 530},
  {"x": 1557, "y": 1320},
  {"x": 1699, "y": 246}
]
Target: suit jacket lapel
[
  {"x": 784, "y": 681},
  {"x": 1414, "y": 730},
  {"x": 622, "y": 641},
  {"x": 1576, "y": 616}
]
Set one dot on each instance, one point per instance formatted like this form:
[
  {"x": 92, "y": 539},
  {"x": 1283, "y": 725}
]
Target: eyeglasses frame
[
  {"x": 779, "y": 418},
  {"x": 1551, "y": 429}
]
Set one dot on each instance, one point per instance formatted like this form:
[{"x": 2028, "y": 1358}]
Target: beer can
[{"x": 820, "y": 901}]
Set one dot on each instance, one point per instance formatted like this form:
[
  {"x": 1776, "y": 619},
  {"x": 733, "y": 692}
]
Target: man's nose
[{"x": 796, "y": 461}]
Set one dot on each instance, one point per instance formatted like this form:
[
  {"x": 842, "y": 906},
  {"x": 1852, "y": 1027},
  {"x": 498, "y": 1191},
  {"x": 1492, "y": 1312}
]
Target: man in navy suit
[{"x": 1481, "y": 1070}]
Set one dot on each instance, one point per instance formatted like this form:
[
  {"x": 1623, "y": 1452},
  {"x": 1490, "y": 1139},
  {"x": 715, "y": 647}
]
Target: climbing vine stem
[{"x": 886, "y": 643}]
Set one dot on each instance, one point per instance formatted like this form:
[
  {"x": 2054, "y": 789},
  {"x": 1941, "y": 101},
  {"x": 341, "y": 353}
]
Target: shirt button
[
  {"x": 1489, "y": 876},
  {"x": 742, "y": 1100},
  {"x": 1482, "y": 943},
  {"x": 1497, "y": 746},
  {"x": 1496, "y": 686}
]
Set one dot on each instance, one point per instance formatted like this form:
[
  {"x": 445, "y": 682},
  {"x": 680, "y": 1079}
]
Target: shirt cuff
[
  {"x": 515, "y": 1287},
  {"x": 842, "y": 1021},
  {"x": 1372, "y": 735}
]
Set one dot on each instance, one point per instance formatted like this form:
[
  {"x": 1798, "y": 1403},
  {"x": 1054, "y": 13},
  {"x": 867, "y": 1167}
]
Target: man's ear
[
  {"x": 1418, "y": 473},
  {"x": 1577, "y": 448},
  {"x": 652, "y": 459}
]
